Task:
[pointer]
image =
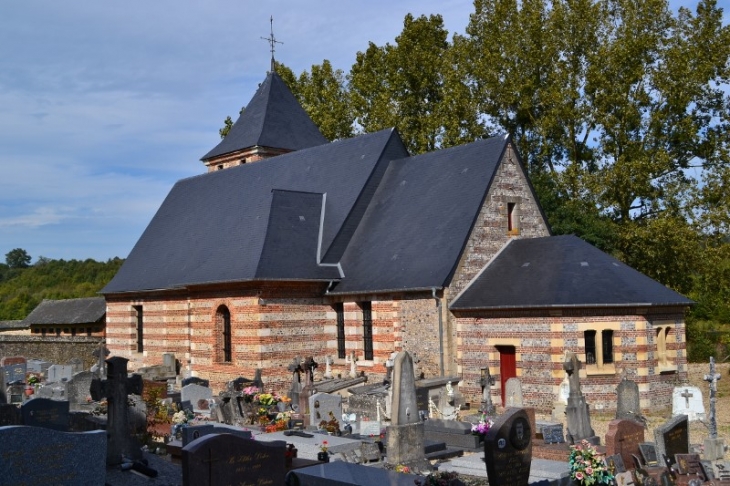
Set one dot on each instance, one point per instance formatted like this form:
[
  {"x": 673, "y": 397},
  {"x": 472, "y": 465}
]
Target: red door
[{"x": 507, "y": 367}]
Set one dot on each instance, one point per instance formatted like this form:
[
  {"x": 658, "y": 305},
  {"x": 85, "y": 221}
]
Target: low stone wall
[{"x": 55, "y": 349}]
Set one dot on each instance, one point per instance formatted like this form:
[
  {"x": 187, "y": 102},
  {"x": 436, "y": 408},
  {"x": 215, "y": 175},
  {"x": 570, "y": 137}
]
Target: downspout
[{"x": 441, "y": 331}]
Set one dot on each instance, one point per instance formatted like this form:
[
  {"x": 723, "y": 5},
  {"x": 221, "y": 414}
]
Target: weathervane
[{"x": 272, "y": 41}]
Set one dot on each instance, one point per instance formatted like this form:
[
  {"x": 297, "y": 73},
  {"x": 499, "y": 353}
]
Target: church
[{"x": 290, "y": 245}]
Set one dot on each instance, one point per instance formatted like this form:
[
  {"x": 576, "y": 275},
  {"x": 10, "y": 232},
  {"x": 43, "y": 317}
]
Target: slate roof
[
  {"x": 561, "y": 271},
  {"x": 414, "y": 231},
  {"x": 12, "y": 325},
  {"x": 273, "y": 118},
  {"x": 71, "y": 311},
  {"x": 259, "y": 221}
]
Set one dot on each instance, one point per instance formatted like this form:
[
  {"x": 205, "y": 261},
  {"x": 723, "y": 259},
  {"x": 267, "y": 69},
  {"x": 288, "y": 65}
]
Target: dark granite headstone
[
  {"x": 193, "y": 432},
  {"x": 623, "y": 438},
  {"x": 553, "y": 434},
  {"x": 10, "y": 415},
  {"x": 42, "y": 456},
  {"x": 689, "y": 464},
  {"x": 649, "y": 453},
  {"x": 341, "y": 473},
  {"x": 224, "y": 459},
  {"x": 508, "y": 449},
  {"x": 46, "y": 413},
  {"x": 14, "y": 368},
  {"x": 673, "y": 437}
]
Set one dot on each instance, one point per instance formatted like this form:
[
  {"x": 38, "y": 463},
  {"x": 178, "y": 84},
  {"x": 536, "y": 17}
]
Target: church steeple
[{"x": 272, "y": 124}]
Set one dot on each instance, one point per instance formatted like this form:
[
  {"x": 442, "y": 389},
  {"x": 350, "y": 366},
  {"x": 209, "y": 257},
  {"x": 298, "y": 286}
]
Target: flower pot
[{"x": 323, "y": 457}]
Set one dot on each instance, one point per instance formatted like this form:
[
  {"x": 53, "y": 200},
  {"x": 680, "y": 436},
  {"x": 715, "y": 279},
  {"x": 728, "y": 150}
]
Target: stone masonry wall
[{"x": 54, "y": 349}]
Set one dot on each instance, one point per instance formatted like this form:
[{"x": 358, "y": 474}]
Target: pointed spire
[{"x": 272, "y": 42}]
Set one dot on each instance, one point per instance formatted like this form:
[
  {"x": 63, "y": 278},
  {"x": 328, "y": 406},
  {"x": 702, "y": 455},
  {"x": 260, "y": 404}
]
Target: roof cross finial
[{"x": 272, "y": 41}]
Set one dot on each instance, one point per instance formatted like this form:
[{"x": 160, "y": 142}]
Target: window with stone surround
[
  {"x": 367, "y": 329},
  {"x": 510, "y": 209},
  {"x": 224, "y": 353},
  {"x": 139, "y": 315},
  {"x": 599, "y": 351},
  {"x": 340, "y": 311}
]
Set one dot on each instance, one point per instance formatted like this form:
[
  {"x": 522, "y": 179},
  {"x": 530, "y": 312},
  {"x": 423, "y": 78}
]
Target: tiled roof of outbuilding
[{"x": 70, "y": 311}]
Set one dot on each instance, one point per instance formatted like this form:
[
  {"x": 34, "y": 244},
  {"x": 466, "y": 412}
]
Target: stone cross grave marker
[
  {"x": 100, "y": 354},
  {"x": 627, "y": 400},
  {"x": 687, "y": 400},
  {"x": 578, "y": 415},
  {"x": 623, "y": 438},
  {"x": 486, "y": 381},
  {"x": 46, "y": 413},
  {"x": 508, "y": 449},
  {"x": 295, "y": 368},
  {"x": 43, "y": 456},
  {"x": 116, "y": 388},
  {"x": 513, "y": 393},
  {"x": 328, "y": 360},
  {"x": 352, "y": 361},
  {"x": 672, "y": 437},
  {"x": 225, "y": 459}
]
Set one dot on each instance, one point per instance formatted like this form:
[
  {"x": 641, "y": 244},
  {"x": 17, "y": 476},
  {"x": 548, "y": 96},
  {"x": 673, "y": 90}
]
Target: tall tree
[{"x": 17, "y": 258}]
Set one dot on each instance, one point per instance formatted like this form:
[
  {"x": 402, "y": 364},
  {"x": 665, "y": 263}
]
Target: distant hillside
[{"x": 22, "y": 289}]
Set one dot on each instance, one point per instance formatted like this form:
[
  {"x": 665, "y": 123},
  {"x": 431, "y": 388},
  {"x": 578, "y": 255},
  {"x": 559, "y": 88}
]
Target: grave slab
[
  {"x": 340, "y": 473},
  {"x": 687, "y": 400}
]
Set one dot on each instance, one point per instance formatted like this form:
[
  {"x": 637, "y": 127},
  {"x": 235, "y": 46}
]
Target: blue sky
[{"x": 103, "y": 106}]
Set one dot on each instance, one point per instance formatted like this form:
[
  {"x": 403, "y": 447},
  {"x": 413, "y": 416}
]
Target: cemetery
[{"x": 107, "y": 426}]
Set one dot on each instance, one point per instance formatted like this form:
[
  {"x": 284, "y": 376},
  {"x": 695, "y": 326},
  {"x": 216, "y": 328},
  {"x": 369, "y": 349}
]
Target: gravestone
[
  {"x": 78, "y": 391},
  {"x": 508, "y": 449},
  {"x": 687, "y": 400},
  {"x": 714, "y": 446},
  {"x": 321, "y": 405},
  {"x": 577, "y": 412},
  {"x": 341, "y": 473},
  {"x": 224, "y": 459},
  {"x": 513, "y": 393},
  {"x": 194, "y": 380},
  {"x": 193, "y": 432},
  {"x": 76, "y": 364},
  {"x": 55, "y": 391},
  {"x": 721, "y": 470},
  {"x": 370, "y": 428},
  {"x": 37, "y": 366},
  {"x": 56, "y": 373},
  {"x": 672, "y": 437},
  {"x": 116, "y": 389},
  {"x": 295, "y": 368},
  {"x": 628, "y": 405},
  {"x": 623, "y": 438},
  {"x": 405, "y": 435},
  {"x": 10, "y": 415},
  {"x": 42, "y": 456},
  {"x": 14, "y": 368},
  {"x": 197, "y": 395},
  {"x": 46, "y": 413}
]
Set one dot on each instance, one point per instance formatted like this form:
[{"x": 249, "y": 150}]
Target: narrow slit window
[
  {"x": 590, "y": 338},
  {"x": 139, "y": 327},
  {"x": 607, "y": 337},
  {"x": 340, "y": 310},
  {"x": 367, "y": 329}
]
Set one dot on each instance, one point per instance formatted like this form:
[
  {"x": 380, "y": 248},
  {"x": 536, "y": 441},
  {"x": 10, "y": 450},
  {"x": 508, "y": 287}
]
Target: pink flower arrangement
[
  {"x": 587, "y": 466},
  {"x": 483, "y": 426}
]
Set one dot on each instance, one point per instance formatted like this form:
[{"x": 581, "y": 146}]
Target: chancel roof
[
  {"x": 273, "y": 118},
  {"x": 561, "y": 271}
]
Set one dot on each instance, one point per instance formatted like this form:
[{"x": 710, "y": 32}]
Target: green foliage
[
  {"x": 22, "y": 289},
  {"x": 706, "y": 339},
  {"x": 17, "y": 258}
]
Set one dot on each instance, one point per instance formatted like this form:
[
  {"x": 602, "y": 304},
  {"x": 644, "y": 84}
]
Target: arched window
[{"x": 223, "y": 335}]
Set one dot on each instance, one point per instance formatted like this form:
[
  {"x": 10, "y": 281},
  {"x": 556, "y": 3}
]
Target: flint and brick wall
[{"x": 540, "y": 342}]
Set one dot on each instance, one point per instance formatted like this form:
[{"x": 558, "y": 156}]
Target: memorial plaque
[
  {"x": 553, "y": 434},
  {"x": 508, "y": 449},
  {"x": 40, "y": 456},
  {"x": 649, "y": 454},
  {"x": 615, "y": 463},
  {"x": 46, "y": 413},
  {"x": 225, "y": 459},
  {"x": 15, "y": 368},
  {"x": 689, "y": 464},
  {"x": 370, "y": 428},
  {"x": 625, "y": 479},
  {"x": 721, "y": 470},
  {"x": 623, "y": 438}
]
